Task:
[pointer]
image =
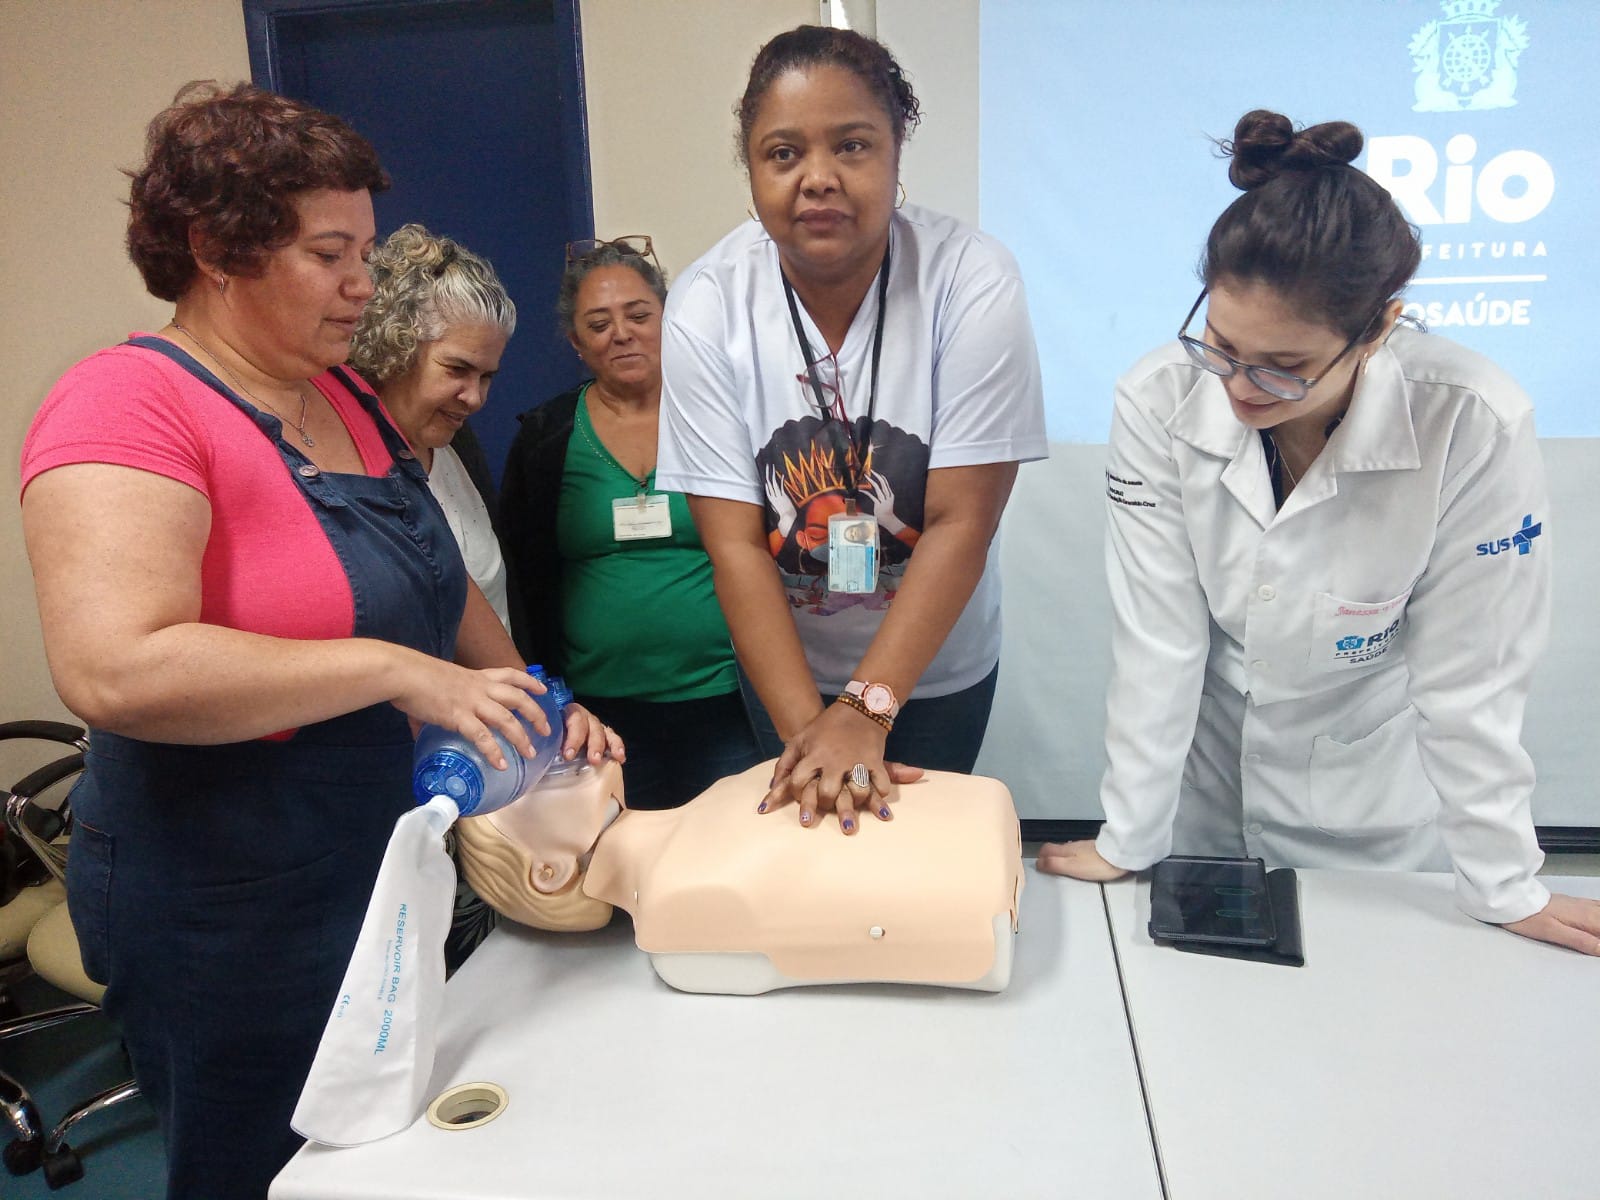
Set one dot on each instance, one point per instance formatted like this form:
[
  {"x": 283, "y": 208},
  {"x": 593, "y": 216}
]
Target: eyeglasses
[
  {"x": 1285, "y": 385},
  {"x": 637, "y": 244},
  {"x": 822, "y": 385}
]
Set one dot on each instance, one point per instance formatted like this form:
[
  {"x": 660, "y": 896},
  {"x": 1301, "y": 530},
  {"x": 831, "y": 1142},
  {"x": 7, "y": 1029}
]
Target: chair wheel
[
  {"x": 22, "y": 1157},
  {"x": 62, "y": 1167}
]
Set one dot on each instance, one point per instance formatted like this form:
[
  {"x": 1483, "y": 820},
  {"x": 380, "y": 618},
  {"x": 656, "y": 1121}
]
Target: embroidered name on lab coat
[
  {"x": 1127, "y": 493},
  {"x": 1351, "y": 634}
]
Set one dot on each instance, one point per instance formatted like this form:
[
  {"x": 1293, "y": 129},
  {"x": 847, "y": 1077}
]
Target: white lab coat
[{"x": 1340, "y": 683}]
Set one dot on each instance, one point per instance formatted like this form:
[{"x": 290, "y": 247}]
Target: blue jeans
[{"x": 943, "y": 733}]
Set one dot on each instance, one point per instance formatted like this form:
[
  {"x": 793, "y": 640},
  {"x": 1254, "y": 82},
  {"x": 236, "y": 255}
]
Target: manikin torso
[{"x": 929, "y": 897}]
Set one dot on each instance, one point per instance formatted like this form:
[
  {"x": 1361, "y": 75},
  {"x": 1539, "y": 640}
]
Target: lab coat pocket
[
  {"x": 1346, "y": 634},
  {"x": 1373, "y": 785}
]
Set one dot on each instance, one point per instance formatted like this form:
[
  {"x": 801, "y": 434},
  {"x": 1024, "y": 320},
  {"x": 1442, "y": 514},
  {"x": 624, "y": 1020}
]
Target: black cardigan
[{"x": 530, "y": 491}]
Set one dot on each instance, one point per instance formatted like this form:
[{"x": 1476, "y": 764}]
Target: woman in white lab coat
[{"x": 1329, "y": 564}]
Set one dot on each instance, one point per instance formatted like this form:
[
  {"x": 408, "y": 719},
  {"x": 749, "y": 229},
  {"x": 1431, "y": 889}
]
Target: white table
[
  {"x": 1418, "y": 1053},
  {"x": 620, "y": 1087}
]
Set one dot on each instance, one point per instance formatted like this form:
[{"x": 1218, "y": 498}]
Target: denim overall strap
[
  {"x": 406, "y": 575},
  {"x": 218, "y": 890}
]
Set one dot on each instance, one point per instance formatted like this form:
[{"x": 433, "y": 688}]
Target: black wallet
[{"x": 1229, "y": 907}]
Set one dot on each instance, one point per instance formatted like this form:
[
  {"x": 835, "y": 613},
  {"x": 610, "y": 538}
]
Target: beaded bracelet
[{"x": 859, "y": 705}]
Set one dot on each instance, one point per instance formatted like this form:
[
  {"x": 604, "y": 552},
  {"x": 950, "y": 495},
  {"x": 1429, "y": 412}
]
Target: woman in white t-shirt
[
  {"x": 430, "y": 342},
  {"x": 849, "y": 385}
]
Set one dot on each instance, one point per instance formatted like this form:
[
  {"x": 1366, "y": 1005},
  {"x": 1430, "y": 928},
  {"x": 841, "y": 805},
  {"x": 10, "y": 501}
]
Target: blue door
[{"x": 476, "y": 110}]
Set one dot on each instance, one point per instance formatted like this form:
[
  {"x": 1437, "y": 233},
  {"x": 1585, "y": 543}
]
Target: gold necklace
[
  {"x": 299, "y": 426},
  {"x": 642, "y": 482},
  {"x": 1283, "y": 461}
]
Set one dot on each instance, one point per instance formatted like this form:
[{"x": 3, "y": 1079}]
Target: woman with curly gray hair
[{"x": 430, "y": 342}]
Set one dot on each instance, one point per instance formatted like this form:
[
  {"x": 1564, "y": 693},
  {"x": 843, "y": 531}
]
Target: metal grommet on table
[{"x": 467, "y": 1106}]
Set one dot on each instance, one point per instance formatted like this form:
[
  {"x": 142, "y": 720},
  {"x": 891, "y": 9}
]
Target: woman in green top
[{"x": 610, "y": 585}]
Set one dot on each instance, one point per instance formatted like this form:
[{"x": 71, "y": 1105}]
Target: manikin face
[
  {"x": 824, "y": 167},
  {"x": 447, "y": 382},
  {"x": 1253, "y": 323},
  {"x": 297, "y": 318},
  {"x": 617, "y": 329}
]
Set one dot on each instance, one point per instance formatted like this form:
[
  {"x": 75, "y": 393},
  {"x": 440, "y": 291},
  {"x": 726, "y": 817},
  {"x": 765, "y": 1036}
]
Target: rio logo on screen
[
  {"x": 1511, "y": 187},
  {"x": 1484, "y": 252}
]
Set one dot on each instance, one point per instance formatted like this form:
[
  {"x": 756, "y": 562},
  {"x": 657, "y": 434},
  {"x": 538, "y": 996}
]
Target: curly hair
[
  {"x": 1326, "y": 237},
  {"x": 228, "y": 164},
  {"x": 606, "y": 254},
  {"x": 808, "y": 46},
  {"x": 424, "y": 284}
]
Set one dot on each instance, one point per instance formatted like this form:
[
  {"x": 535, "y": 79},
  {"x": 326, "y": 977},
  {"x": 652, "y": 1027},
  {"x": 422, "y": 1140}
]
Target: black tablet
[{"x": 1220, "y": 900}]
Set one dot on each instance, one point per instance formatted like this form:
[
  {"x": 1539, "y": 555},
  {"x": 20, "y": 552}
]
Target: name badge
[
  {"x": 635, "y": 518},
  {"x": 852, "y": 553}
]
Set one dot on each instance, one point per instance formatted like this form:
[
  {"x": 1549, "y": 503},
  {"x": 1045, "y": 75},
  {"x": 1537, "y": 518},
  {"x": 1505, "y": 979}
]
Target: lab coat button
[
  {"x": 1252, "y": 758},
  {"x": 1260, "y": 664},
  {"x": 1252, "y": 829},
  {"x": 1267, "y": 592}
]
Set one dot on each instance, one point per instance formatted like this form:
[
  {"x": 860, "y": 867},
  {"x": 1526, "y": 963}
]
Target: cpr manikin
[
  {"x": 722, "y": 900},
  {"x": 726, "y": 901}
]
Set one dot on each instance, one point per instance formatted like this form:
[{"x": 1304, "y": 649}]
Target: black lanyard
[{"x": 858, "y": 450}]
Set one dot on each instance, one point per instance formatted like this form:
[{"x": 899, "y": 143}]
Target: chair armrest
[
  {"x": 35, "y": 826},
  {"x": 45, "y": 731}
]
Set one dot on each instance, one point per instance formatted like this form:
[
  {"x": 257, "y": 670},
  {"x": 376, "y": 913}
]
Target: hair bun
[{"x": 1266, "y": 143}]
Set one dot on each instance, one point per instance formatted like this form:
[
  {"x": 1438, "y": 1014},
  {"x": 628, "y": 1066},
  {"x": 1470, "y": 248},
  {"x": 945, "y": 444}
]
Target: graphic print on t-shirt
[{"x": 804, "y": 470}]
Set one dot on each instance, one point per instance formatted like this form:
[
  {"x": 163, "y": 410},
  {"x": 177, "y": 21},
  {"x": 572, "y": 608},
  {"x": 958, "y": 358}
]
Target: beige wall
[
  {"x": 78, "y": 82},
  {"x": 936, "y": 42},
  {"x": 661, "y": 80}
]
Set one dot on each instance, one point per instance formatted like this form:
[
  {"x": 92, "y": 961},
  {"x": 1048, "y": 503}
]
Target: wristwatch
[{"x": 877, "y": 698}]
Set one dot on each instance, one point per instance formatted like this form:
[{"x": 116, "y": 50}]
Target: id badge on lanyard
[
  {"x": 852, "y": 552},
  {"x": 852, "y": 535},
  {"x": 635, "y": 518}
]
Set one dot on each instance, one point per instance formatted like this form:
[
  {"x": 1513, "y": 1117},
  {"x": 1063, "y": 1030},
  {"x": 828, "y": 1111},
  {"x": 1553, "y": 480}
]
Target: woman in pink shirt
[{"x": 247, "y": 593}]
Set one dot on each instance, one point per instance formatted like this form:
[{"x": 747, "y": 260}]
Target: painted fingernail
[
  {"x": 805, "y": 818},
  {"x": 849, "y": 825},
  {"x": 762, "y": 807},
  {"x": 884, "y": 812}
]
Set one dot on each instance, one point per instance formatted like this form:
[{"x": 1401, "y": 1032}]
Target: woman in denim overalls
[{"x": 246, "y": 590}]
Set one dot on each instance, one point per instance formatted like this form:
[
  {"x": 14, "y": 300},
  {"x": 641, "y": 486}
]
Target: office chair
[{"x": 51, "y": 953}]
